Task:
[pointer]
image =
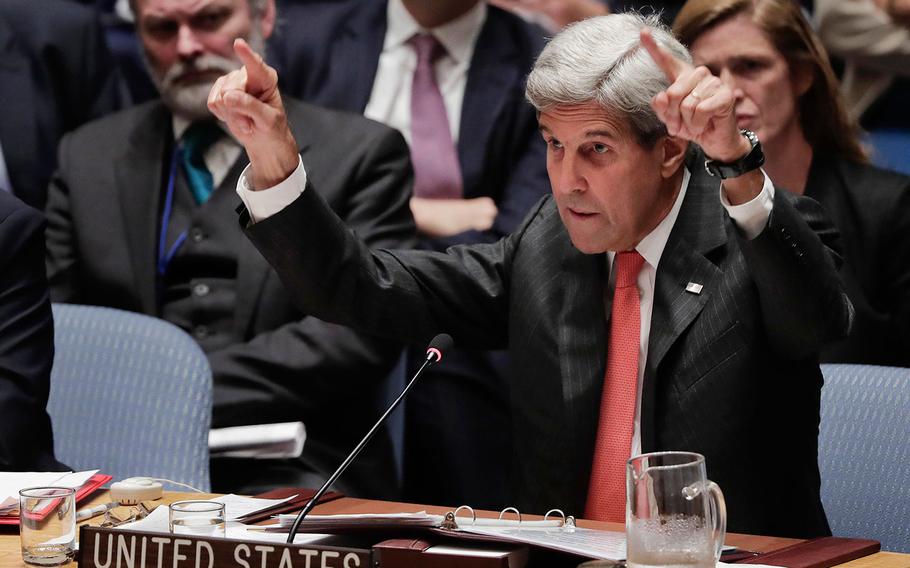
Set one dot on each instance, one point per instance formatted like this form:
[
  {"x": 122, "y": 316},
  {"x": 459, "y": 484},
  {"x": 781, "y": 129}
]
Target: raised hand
[
  {"x": 697, "y": 106},
  {"x": 248, "y": 101}
]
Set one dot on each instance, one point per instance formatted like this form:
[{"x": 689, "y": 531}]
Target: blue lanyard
[{"x": 165, "y": 255}]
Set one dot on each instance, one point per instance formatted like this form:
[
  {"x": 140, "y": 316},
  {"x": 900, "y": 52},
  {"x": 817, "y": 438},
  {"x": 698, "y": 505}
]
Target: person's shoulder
[
  {"x": 873, "y": 185},
  {"x": 114, "y": 129},
  {"x": 37, "y": 23},
  {"x": 508, "y": 28},
  {"x": 314, "y": 122}
]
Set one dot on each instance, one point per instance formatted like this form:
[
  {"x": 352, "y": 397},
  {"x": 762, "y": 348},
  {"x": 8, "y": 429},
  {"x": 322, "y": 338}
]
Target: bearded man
[{"x": 141, "y": 219}]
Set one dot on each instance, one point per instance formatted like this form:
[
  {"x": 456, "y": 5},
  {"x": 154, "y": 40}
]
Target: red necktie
[
  {"x": 437, "y": 173},
  {"x": 607, "y": 486}
]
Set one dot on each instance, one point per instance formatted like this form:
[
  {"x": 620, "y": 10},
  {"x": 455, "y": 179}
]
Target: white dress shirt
[
  {"x": 751, "y": 217},
  {"x": 220, "y": 156},
  {"x": 390, "y": 99}
]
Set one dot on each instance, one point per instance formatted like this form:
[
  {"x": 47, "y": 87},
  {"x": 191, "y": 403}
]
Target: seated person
[
  {"x": 141, "y": 218},
  {"x": 449, "y": 74},
  {"x": 613, "y": 355},
  {"x": 26, "y": 341},
  {"x": 786, "y": 92},
  {"x": 56, "y": 74}
]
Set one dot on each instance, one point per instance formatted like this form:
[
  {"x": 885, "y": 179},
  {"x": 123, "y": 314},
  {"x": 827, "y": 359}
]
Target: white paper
[
  {"x": 603, "y": 545},
  {"x": 236, "y": 506},
  {"x": 264, "y": 441},
  {"x": 420, "y": 518},
  {"x": 11, "y": 482},
  {"x": 726, "y": 565}
]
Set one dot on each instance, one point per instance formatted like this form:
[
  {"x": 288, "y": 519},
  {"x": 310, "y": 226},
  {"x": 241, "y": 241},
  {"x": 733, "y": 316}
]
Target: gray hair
[{"x": 601, "y": 59}]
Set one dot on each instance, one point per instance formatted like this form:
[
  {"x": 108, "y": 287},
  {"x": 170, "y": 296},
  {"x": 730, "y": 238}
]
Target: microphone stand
[{"x": 433, "y": 356}]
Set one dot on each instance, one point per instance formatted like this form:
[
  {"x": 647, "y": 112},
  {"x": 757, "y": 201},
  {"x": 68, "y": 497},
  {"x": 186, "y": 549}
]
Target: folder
[
  {"x": 87, "y": 488},
  {"x": 818, "y": 553},
  {"x": 303, "y": 495}
]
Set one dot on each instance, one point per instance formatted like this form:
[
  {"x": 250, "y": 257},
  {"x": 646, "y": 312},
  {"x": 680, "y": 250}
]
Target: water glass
[
  {"x": 675, "y": 516},
  {"x": 197, "y": 518},
  {"x": 47, "y": 525}
]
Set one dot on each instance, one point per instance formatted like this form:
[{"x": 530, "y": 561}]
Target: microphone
[{"x": 435, "y": 350}]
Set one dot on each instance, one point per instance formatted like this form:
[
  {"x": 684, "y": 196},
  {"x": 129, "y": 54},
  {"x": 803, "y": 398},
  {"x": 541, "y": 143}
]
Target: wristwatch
[{"x": 751, "y": 161}]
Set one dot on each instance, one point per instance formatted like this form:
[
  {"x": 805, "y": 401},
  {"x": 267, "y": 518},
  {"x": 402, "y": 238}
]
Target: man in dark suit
[
  {"x": 55, "y": 74},
  {"x": 26, "y": 341},
  {"x": 719, "y": 295},
  {"x": 362, "y": 56},
  {"x": 131, "y": 227}
]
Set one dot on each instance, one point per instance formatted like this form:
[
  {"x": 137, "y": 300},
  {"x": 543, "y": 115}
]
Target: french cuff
[
  {"x": 752, "y": 216},
  {"x": 264, "y": 203}
]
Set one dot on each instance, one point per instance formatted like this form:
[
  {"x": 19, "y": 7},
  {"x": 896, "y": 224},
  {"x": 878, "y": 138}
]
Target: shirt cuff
[
  {"x": 752, "y": 216},
  {"x": 264, "y": 203}
]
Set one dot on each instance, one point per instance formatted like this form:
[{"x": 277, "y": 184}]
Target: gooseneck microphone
[{"x": 435, "y": 350}]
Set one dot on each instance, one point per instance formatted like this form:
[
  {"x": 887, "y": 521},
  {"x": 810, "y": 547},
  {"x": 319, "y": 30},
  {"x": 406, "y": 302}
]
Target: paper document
[
  {"x": 13, "y": 481},
  {"x": 603, "y": 545},
  {"x": 264, "y": 441},
  {"x": 418, "y": 519},
  {"x": 236, "y": 506}
]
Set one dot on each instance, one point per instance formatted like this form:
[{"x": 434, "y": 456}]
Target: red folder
[
  {"x": 93, "y": 484},
  {"x": 818, "y": 553}
]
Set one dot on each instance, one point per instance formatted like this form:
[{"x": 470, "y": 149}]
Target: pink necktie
[
  {"x": 607, "y": 486},
  {"x": 437, "y": 173}
]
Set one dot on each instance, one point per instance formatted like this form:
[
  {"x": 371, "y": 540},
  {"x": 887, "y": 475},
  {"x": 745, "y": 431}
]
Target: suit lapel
[
  {"x": 494, "y": 68},
  {"x": 140, "y": 176},
  {"x": 581, "y": 337},
  {"x": 700, "y": 228},
  {"x": 18, "y": 129},
  {"x": 357, "y": 56}
]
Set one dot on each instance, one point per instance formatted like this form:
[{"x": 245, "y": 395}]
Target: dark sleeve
[
  {"x": 794, "y": 262},
  {"x": 304, "y": 364},
  {"x": 62, "y": 256},
  {"x": 26, "y": 345},
  {"x": 407, "y": 295}
]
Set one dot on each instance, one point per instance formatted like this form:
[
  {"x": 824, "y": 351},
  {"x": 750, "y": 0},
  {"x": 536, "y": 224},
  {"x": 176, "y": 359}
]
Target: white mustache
[{"x": 204, "y": 63}]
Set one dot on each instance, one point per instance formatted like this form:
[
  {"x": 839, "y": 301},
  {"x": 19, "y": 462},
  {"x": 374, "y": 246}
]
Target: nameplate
[{"x": 114, "y": 548}]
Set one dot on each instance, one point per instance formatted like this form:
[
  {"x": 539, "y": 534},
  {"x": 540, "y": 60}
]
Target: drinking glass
[
  {"x": 675, "y": 516},
  {"x": 199, "y": 518},
  {"x": 47, "y": 525}
]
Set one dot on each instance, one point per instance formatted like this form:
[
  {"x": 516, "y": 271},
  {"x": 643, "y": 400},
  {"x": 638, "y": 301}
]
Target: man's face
[
  {"x": 767, "y": 90},
  {"x": 610, "y": 190},
  {"x": 188, "y": 44}
]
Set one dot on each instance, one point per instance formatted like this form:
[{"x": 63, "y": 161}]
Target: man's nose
[
  {"x": 188, "y": 44},
  {"x": 571, "y": 178}
]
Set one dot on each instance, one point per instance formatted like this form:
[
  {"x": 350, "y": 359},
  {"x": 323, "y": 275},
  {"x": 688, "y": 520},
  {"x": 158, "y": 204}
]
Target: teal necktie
[{"x": 198, "y": 138}]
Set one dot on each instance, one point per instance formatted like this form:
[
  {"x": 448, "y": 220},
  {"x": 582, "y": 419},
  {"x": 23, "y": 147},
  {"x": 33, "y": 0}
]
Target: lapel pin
[{"x": 694, "y": 288}]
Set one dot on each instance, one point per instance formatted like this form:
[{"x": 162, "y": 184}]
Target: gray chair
[
  {"x": 864, "y": 453},
  {"x": 130, "y": 395}
]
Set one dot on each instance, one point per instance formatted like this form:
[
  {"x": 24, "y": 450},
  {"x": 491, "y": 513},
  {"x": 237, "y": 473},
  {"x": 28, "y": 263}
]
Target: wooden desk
[{"x": 10, "y": 555}]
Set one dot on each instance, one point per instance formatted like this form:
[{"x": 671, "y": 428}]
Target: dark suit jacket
[
  {"x": 55, "y": 74},
  {"x": 104, "y": 219},
  {"x": 871, "y": 209},
  {"x": 26, "y": 341},
  {"x": 328, "y": 53},
  {"x": 731, "y": 373}
]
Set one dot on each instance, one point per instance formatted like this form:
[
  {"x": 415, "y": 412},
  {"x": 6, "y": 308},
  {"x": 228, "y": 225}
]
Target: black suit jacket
[
  {"x": 104, "y": 219},
  {"x": 871, "y": 209},
  {"x": 731, "y": 372},
  {"x": 328, "y": 54},
  {"x": 26, "y": 341},
  {"x": 55, "y": 74}
]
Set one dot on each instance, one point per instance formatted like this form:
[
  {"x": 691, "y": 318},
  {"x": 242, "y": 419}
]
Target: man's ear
[
  {"x": 673, "y": 153},
  {"x": 267, "y": 19}
]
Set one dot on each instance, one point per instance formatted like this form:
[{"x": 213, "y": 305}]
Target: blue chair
[
  {"x": 130, "y": 395},
  {"x": 864, "y": 453}
]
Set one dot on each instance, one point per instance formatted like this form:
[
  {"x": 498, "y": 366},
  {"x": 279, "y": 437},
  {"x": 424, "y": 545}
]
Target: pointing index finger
[
  {"x": 670, "y": 65},
  {"x": 257, "y": 72}
]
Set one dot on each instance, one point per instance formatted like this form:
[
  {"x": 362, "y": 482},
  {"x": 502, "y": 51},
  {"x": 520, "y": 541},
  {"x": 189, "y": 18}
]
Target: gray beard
[{"x": 190, "y": 100}]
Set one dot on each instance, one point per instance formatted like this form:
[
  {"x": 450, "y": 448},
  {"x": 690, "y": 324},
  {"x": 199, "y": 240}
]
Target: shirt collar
[
  {"x": 457, "y": 37},
  {"x": 651, "y": 247},
  {"x": 180, "y": 124}
]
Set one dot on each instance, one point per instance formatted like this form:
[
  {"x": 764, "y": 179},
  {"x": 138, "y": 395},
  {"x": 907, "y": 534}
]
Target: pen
[{"x": 84, "y": 514}]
